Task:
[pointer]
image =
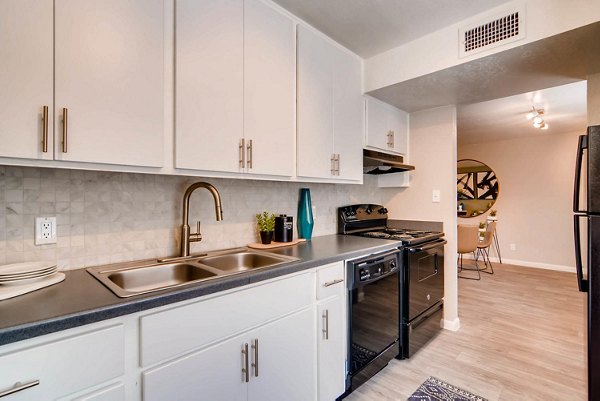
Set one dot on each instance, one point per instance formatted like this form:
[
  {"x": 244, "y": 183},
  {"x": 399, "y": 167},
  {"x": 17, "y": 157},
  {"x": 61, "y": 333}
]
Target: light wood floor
[{"x": 521, "y": 338}]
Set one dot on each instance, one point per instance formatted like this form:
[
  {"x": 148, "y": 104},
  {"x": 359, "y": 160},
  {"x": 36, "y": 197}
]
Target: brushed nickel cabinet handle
[
  {"x": 18, "y": 387},
  {"x": 393, "y": 138},
  {"x": 65, "y": 113},
  {"x": 242, "y": 148},
  {"x": 334, "y": 282},
  {"x": 249, "y": 153},
  {"x": 337, "y": 164},
  {"x": 255, "y": 363},
  {"x": 245, "y": 368},
  {"x": 45, "y": 129},
  {"x": 332, "y": 164},
  {"x": 326, "y": 324}
]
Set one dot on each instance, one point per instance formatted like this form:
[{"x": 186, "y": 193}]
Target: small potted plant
[
  {"x": 266, "y": 226},
  {"x": 492, "y": 216},
  {"x": 482, "y": 228}
]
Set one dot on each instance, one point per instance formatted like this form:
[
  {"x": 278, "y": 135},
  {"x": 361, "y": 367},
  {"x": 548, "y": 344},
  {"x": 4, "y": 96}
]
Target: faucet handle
[{"x": 197, "y": 236}]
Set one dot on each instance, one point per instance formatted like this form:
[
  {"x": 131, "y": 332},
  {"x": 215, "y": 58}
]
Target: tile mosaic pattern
[{"x": 107, "y": 217}]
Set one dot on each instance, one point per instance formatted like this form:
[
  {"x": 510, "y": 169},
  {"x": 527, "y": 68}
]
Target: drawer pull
[
  {"x": 334, "y": 282},
  {"x": 18, "y": 387}
]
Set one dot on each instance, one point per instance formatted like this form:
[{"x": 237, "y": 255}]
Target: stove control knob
[
  {"x": 382, "y": 210},
  {"x": 368, "y": 210},
  {"x": 392, "y": 265}
]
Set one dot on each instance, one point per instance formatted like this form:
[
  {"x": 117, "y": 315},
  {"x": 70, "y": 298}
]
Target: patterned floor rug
[{"x": 436, "y": 390}]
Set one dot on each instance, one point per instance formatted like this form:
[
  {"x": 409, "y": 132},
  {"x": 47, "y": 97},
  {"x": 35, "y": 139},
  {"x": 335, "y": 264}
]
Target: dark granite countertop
[{"x": 80, "y": 299}]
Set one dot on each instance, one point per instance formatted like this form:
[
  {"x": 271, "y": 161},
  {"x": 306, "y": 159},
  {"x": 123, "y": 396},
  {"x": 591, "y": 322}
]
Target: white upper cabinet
[
  {"x": 330, "y": 111},
  {"x": 26, "y": 51},
  {"x": 109, "y": 77},
  {"x": 235, "y": 80},
  {"x": 348, "y": 116},
  {"x": 387, "y": 127},
  {"x": 269, "y": 89},
  {"x": 209, "y": 85}
]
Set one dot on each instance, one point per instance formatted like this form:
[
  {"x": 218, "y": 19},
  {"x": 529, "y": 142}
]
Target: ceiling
[
  {"x": 564, "y": 110},
  {"x": 554, "y": 61},
  {"x": 370, "y": 27}
]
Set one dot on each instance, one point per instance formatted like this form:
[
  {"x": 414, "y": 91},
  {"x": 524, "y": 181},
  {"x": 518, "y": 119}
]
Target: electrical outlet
[
  {"x": 513, "y": 247},
  {"x": 435, "y": 196},
  {"x": 45, "y": 230}
]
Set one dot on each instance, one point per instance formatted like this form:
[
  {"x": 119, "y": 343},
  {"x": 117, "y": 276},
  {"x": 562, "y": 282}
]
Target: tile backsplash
[{"x": 107, "y": 217}]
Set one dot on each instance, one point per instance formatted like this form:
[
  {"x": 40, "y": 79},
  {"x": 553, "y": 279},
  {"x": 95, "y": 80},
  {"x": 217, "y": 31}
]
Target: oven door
[
  {"x": 374, "y": 319},
  {"x": 423, "y": 280}
]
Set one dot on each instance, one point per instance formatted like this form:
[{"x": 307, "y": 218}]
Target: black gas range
[
  {"x": 368, "y": 220},
  {"x": 395, "y": 299}
]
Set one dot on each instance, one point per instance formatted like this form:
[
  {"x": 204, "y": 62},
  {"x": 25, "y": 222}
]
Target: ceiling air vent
[{"x": 493, "y": 32}]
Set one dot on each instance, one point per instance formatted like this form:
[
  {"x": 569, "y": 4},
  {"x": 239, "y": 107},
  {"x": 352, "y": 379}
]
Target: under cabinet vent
[{"x": 497, "y": 31}]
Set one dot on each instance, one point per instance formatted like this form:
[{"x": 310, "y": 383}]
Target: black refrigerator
[{"x": 586, "y": 208}]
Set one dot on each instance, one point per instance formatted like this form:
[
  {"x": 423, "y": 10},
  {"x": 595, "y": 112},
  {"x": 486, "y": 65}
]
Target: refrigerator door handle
[
  {"x": 583, "y": 144},
  {"x": 581, "y": 282}
]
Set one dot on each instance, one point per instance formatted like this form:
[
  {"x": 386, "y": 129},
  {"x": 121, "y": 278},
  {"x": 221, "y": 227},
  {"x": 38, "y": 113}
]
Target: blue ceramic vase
[{"x": 305, "y": 216}]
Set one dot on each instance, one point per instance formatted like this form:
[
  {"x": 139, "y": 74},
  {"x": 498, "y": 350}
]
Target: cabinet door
[
  {"x": 348, "y": 115},
  {"x": 269, "y": 89},
  {"x": 286, "y": 360},
  {"x": 109, "y": 66},
  {"x": 209, "y": 84},
  {"x": 399, "y": 126},
  {"x": 26, "y": 77},
  {"x": 377, "y": 126},
  {"x": 213, "y": 374},
  {"x": 315, "y": 105},
  {"x": 331, "y": 343}
]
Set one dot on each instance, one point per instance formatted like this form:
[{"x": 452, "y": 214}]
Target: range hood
[{"x": 383, "y": 163}]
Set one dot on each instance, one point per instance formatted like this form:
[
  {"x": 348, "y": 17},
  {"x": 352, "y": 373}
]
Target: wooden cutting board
[{"x": 276, "y": 244}]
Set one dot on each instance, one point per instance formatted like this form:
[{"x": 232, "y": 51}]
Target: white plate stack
[{"x": 21, "y": 278}]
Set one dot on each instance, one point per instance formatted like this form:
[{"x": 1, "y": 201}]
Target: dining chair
[
  {"x": 468, "y": 238},
  {"x": 483, "y": 248}
]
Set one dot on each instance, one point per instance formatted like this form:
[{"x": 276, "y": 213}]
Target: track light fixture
[{"x": 536, "y": 116}]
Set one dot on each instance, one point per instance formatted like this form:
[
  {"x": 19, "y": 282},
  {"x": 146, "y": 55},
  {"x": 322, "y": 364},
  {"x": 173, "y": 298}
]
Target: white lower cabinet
[
  {"x": 115, "y": 392},
  {"x": 273, "y": 362},
  {"x": 66, "y": 366},
  {"x": 331, "y": 331}
]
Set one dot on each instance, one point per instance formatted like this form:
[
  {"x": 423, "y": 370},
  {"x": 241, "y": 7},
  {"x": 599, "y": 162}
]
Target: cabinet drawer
[
  {"x": 115, "y": 392},
  {"x": 64, "y": 366},
  {"x": 331, "y": 280},
  {"x": 170, "y": 333}
]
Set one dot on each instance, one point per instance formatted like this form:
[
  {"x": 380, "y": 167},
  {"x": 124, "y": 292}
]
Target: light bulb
[
  {"x": 545, "y": 126},
  {"x": 531, "y": 114},
  {"x": 538, "y": 120},
  {"x": 537, "y": 125}
]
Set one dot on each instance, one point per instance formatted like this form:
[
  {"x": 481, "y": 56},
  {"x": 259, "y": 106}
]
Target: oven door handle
[{"x": 426, "y": 247}]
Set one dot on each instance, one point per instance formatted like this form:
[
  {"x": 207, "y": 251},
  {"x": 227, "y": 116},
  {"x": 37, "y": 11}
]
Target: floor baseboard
[
  {"x": 452, "y": 325},
  {"x": 537, "y": 265}
]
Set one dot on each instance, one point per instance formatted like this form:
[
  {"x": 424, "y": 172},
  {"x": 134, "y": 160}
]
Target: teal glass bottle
[{"x": 305, "y": 216}]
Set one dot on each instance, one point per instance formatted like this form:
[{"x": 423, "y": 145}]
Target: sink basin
[
  {"x": 243, "y": 261},
  {"x": 161, "y": 276},
  {"x": 134, "y": 278}
]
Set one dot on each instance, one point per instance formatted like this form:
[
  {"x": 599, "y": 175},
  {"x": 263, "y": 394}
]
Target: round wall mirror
[{"x": 476, "y": 188}]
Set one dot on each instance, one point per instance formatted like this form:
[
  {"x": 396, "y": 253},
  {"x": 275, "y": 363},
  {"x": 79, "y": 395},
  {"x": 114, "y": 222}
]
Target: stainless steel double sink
[{"x": 129, "y": 279}]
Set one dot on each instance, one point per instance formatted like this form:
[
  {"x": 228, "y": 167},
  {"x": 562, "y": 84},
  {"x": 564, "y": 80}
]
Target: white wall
[
  {"x": 106, "y": 217},
  {"x": 433, "y": 152},
  {"x": 535, "y": 201},
  {"x": 439, "y": 50},
  {"x": 593, "y": 91}
]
